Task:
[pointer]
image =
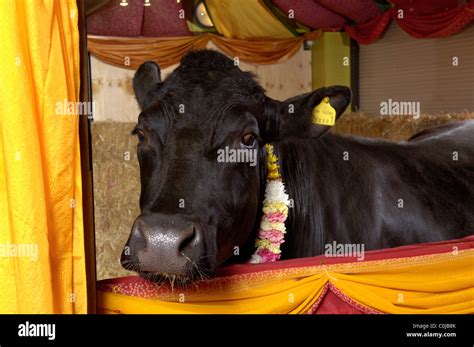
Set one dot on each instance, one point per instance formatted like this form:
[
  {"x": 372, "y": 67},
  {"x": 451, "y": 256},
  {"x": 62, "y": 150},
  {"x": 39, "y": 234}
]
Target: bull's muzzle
[{"x": 162, "y": 244}]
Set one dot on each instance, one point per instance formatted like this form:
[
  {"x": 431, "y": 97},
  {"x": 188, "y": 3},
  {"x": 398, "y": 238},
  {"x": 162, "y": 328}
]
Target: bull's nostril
[
  {"x": 137, "y": 238},
  {"x": 136, "y": 242},
  {"x": 188, "y": 239}
]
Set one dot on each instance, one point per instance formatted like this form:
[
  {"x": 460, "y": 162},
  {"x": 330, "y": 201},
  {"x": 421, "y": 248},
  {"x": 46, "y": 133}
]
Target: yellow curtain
[
  {"x": 245, "y": 19},
  {"x": 425, "y": 284},
  {"x": 42, "y": 267}
]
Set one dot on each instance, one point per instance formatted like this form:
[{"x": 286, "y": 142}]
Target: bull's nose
[{"x": 161, "y": 244}]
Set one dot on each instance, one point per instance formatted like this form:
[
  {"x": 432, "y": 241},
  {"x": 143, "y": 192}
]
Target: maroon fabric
[
  {"x": 366, "y": 33},
  {"x": 440, "y": 24},
  {"x": 312, "y": 14},
  {"x": 161, "y": 19},
  {"x": 360, "y": 11},
  {"x": 388, "y": 253},
  {"x": 116, "y": 20},
  {"x": 365, "y": 23},
  {"x": 331, "y": 303},
  {"x": 425, "y": 7}
]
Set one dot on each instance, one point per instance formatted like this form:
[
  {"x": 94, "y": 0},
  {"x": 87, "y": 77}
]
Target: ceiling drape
[
  {"x": 365, "y": 22},
  {"x": 243, "y": 20},
  {"x": 131, "y": 52}
]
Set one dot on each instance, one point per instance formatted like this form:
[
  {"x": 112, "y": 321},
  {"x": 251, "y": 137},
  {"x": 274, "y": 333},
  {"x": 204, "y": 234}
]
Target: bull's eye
[
  {"x": 140, "y": 136},
  {"x": 249, "y": 140}
]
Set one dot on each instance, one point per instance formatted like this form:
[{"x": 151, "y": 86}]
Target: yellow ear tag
[{"x": 324, "y": 113}]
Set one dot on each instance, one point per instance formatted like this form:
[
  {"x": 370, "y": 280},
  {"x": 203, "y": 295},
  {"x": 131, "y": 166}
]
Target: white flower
[{"x": 275, "y": 192}]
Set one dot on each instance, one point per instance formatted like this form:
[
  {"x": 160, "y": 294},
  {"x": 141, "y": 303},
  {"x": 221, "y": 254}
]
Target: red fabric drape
[
  {"x": 419, "y": 26},
  {"x": 368, "y": 32},
  {"x": 437, "y": 25},
  {"x": 365, "y": 22},
  {"x": 426, "y": 7},
  {"x": 333, "y": 301},
  {"x": 312, "y": 14}
]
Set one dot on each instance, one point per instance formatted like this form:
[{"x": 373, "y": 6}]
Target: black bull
[{"x": 197, "y": 212}]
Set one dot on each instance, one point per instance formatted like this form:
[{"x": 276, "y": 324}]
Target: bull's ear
[
  {"x": 145, "y": 80},
  {"x": 306, "y": 115}
]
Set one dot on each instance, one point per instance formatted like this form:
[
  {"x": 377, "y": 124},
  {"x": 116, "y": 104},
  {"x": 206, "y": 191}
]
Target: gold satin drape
[
  {"x": 131, "y": 52},
  {"x": 245, "y": 19},
  {"x": 427, "y": 284},
  {"x": 260, "y": 51},
  {"x": 40, "y": 174}
]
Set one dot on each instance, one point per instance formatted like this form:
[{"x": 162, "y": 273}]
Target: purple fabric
[
  {"x": 163, "y": 19},
  {"x": 116, "y": 20},
  {"x": 160, "y": 19},
  {"x": 330, "y": 14},
  {"x": 360, "y": 11},
  {"x": 311, "y": 14}
]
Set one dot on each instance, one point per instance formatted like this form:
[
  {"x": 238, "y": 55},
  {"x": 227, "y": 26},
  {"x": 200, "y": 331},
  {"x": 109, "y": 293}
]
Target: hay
[
  {"x": 395, "y": 128},
  {"x": 117, "y": 184},
  {"x": 116, "y": 193}
]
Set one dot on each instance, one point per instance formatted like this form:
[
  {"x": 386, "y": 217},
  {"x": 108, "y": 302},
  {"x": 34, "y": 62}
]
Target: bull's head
[{"x": 199, "y": 204}]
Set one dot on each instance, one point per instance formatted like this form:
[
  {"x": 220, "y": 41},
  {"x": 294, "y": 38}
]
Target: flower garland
[{"x": 275, "y": 211}]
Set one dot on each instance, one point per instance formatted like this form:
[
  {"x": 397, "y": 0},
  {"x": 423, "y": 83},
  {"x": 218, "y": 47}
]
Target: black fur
[{"x": 357, "y": 201}]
